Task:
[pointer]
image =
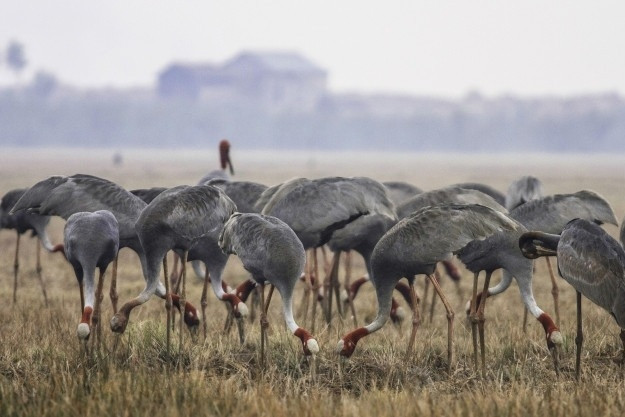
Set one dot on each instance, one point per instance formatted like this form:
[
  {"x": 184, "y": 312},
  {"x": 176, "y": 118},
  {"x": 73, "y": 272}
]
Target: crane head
[
  {"x": 224, "y": 155},
  {"x": 347, "y": 344}
]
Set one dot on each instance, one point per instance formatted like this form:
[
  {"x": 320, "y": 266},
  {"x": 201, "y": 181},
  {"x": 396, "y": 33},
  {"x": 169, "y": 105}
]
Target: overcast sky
[{"x": 438, "y": 47}]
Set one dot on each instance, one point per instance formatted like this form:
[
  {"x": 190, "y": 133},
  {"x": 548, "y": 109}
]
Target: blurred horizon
[{"x": 412, "y": 76}]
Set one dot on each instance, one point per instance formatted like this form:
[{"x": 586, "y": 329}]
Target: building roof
[{"x": 283, "y": 62}]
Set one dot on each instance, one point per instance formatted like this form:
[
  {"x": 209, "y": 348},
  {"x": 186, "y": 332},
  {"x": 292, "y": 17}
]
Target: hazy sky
[{"x": 437, "y": 47}]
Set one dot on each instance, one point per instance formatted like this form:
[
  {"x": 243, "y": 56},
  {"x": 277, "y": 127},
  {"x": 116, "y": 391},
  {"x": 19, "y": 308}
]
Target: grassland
[{"x": 44, "y": 370}]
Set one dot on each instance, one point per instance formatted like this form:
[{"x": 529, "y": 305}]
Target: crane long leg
[
  {"x": 473, "y": 318},
  {"x": 450, "y": 322},
  {"x": 426, "y": 289},
  {"x": 113, "y": 291},
  {"x": 263, "y": 324},
  {"x": 337, "y": 287},
  {"x": 348, "y": 278},
  {"x": 16, "y": 267},
  {"x": 623, "y": 342},
  {"x": 481, "y": 320},
  {"x": 204, "y": 303},
  {"x": 555, "y": 291},
  {"x": 416, "y": 319},
  {"x": 306, "y": 296},
  {"x": 315, "y": 288},
  {"x": 579, "y": 339},
  {"x": 39, "y": 274},
  {"x": 438, "y": 278},
  {"x": 168, "y": 303},
  {"x": 174, "y": 277},
  {"x": 332, "y": 280},
  {"x": 95, "y": 319},
  {"x": 183, "y": 300}
]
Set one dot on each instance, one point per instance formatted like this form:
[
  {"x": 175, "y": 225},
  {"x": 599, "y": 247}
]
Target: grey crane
[
  {"x": 148, "y": 194},
  {"x": 91, "y": 241},
  {"x": 316, "y": 209},
  {"x": 65, "y": 195},
  {"x": 497, "y": 195},
  {"x": 592, "y": 262},
  {"x": 360, "y": 235},
  {"x": 520, "y": 191},
  {"x": 400, "y": 191},
  {"x": 272, "y": 253},
  {"x": 414, "y": 246},
  {"x": 446, "y": 195},
  {"x": 181, "y": 218},
  {"x": 550, "y": 214},
  {"x": 224, "y": 159},
  {"x": 21, "y": 223},
  {"x": 243, "y": 193}
]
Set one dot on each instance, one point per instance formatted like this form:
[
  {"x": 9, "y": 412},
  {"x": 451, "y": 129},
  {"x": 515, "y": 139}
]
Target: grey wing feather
[
  {"x": 313, "y": 205},
  {"x": 244, "y": 193},
  {"x": 522, "y": 190},
  {"x": 435, "y": 233},
  {"x": 264, "y": 197},
  {"x": 550, "y": 214},
  {"x": 399, "y": 191},
  {"x": 448, "y": 195},
  {"x": 592, "y": 262},
  {"x": 268, "y": 248},
  {"x": 192, "y": 211},
  {"x": 498, "y": 196},
  {"x": 64, "y": 196}
]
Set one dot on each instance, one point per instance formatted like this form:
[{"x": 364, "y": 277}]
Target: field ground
[{"x": 45, "y": 372}]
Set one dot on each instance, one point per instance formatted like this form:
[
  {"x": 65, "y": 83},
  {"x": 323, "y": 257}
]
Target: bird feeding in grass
[
  {"x": 592, "y": 262},
  {"x": 414, "y": 246},
  {"x": 178, "y": 219},
  {"x": 65, "y": 195},
  {"x": 316, "y": 209},
  {"x": 22, "y": 222},
  {"x": 91, "y": 241},
  {"x": 520, "y": 191},
  {"x": 272, "y": 253}
]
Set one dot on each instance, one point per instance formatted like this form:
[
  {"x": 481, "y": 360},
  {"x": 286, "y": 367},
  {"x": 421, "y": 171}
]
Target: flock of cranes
[{"x": 399, "y": 230}]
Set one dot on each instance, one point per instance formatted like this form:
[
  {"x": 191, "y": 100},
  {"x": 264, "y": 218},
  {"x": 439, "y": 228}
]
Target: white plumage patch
[
  {"x": 242, "y": 309},
  {"x": 83, "y": 331},
  {"x": 340, "y": 345},
  {"x": 400, "y": 313},
  {"x": 312, "y": 346},
  {"x": 556, "y": 337}
]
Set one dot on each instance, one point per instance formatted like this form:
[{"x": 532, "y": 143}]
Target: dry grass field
[{"x": 44, "y": 370}]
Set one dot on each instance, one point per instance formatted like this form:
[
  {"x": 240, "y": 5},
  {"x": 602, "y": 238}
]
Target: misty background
[{"x": 410, "y": 76}]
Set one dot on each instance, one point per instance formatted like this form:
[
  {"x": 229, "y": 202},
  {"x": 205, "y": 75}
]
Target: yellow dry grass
[{"x": 45, "y": 372}]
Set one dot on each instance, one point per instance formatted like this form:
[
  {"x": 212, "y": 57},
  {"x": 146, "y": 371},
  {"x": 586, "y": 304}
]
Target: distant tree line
[{"x": 43, "y": 114}]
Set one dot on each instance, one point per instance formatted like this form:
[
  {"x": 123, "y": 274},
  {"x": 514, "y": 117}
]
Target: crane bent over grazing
[
  {"x": 91, "y": 241},
  {"x": 592, "y": 262},
  {"x": 271, "y": 252}
]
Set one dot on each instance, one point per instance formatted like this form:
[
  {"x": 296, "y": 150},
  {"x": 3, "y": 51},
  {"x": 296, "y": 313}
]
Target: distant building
[{"x": 277, "y": 81}]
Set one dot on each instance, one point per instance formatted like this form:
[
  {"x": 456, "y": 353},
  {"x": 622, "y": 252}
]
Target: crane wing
[
  {"x": 592, "y": 262},
  {"x": 550, "y": 214},
  {"x": 434, "y": 233},
  {"x": 447, "y": 195},
  {"x": 64, "y": 196}
]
